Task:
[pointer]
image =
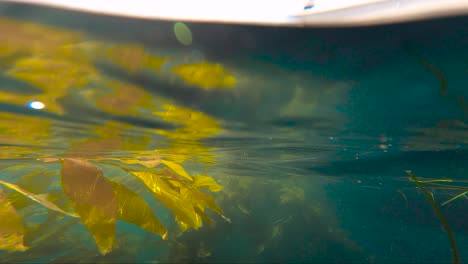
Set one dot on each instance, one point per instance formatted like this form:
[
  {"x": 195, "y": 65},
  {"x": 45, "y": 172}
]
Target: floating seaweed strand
[
  {"x": 438, "y": 212},
  {"x": 460, "y": 99},
  {"x": 445, "y": 184}
]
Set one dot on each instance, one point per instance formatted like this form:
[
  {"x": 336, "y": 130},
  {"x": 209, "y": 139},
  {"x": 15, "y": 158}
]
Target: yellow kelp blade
[
  {"x": 93, "y": 198},
  {"x": 59, "y": 198},
  {"x": 133, "y": 58},
  {"x": 206, "y": 75},
  {"x": 201, "y": 212},
  {"x": 121, "y": 98},
  {"x": 196, "y": 125},
  {"x": 11, "y": 227},
  {"x": 202, "y": 181},
  {"x": 147, "y": 162},
  {"x": 195, "y": 199},
  {"x": 129, "y": 57},
  {"x": 200, "y": 201},
  {"x": 133, "y": 209},
  {"x": 48, "y": 160},
  {"x": 36, "y": 182},
  {"x": 36, "y": 70},
  {"x": 37, "y": 198},
  {"x": 66, "y": 73},
  {"x": 203, "y": 200},
  {"x": 164, "y": 193},
  {"x": 177, "y": 169}
]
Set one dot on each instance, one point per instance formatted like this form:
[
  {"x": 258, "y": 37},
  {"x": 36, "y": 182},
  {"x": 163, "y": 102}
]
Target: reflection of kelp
[
  {"x": 444, "y": 91},
  {"x": 195, "y": 126},
  {"x": 441, "y": 184},
  {"x": 444, "y": 135},
  {"x": 22, "y": 130},
  {"x": 58, "y": 61},
  {"x": 275, "y": 223},
  {"x": 44, "y": 58},
  {"x": 60, "y": 66},
  {"x": 129, "y": 75},
  {"x": 205, "y": 75},
  {"x": 99, "y": 201}
]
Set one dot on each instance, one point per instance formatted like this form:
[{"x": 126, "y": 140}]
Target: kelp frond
[{"x": 440, "y": 215}]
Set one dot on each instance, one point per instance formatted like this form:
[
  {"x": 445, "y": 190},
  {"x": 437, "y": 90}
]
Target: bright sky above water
[{"x": 269, "y": 11}]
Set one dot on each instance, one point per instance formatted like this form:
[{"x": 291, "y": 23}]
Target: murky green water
[{"x": 233, "y": 143}]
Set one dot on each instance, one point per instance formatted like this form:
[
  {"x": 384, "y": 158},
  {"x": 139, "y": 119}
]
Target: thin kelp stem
[
  {"x": 447, "y": 187},
  {"x": 429, "y": 66},
  {"x": 437, "y": 73},
  {"x": 453, "y": 244},
  {"x": 454, "y": 198},
  {"x": 435, "y": 180}
]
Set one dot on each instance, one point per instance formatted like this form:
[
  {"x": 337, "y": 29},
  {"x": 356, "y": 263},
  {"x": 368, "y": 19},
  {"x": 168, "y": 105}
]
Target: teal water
[{"x": 311, "y": 144}]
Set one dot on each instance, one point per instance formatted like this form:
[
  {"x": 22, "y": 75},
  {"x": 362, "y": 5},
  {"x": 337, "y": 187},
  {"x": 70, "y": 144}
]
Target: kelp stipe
[
  {"x": 437, "y": 73},
  {"x": 442, "y": 219},
  {"x": 429, "y": 66}
]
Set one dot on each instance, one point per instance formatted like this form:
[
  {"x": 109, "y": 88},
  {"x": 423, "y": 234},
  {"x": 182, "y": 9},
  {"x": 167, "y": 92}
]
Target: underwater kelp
[
  {"x": 460, "y": 187},
  {"x": 161, "y": 171},
  {"x": 459, "y": 99},
  {"x": 11, "y": 227},
  {"x": 422, "y": 184},
  {"x": 73, "y": 187},
  {"x": 99, "y": 201},
  {"x": 446, "y": 131},
  {"x": 276, "y": 220}
]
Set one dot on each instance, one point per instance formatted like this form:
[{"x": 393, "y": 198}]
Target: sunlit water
[{"x": 309, "y": 131}]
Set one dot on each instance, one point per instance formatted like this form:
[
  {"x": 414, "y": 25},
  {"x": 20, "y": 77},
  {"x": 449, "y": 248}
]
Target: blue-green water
[{"x": 311, "y": 144}]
